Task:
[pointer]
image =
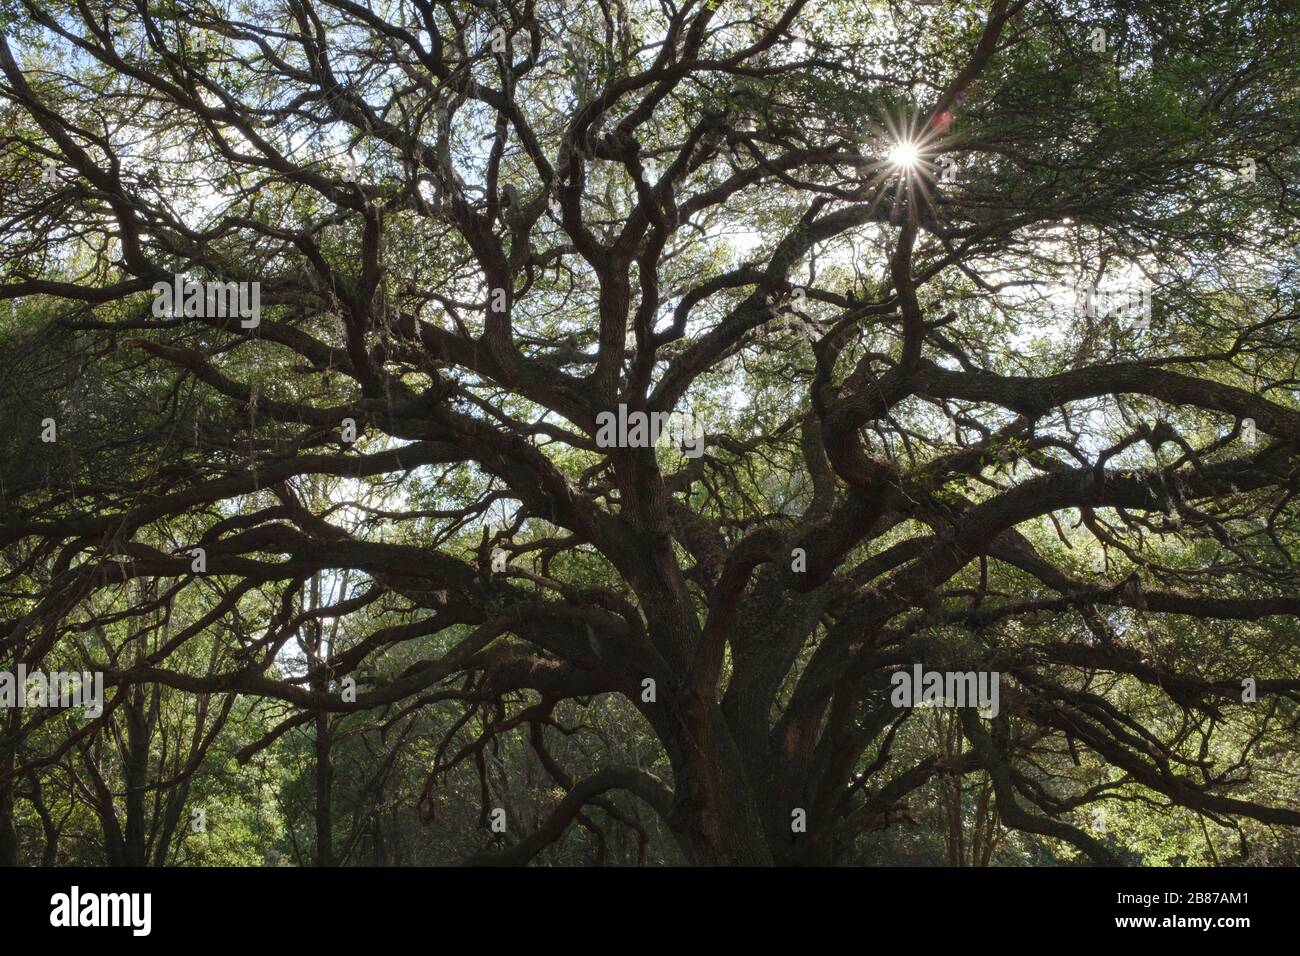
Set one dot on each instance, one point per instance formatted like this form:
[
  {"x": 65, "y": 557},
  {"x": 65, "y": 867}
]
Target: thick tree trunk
[{"x": 715, "y": 815}]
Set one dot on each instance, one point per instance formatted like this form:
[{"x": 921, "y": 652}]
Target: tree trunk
[
  {"x": 137, "y": 779},
  {"x": 8, "y": 745},
  {"x": 50, "y": 852},
  {"x": 324, "y": 790},
  {"x": 714, "y": 815},
  {"x": 8, "y": 835}
]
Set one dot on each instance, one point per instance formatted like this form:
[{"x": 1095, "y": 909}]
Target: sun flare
[{"x": 904, "y": 155}]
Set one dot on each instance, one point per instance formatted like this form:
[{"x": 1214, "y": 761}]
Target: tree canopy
[{"x": 971, "y": 328}]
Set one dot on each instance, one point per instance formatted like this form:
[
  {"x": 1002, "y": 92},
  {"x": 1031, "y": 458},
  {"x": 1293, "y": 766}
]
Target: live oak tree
[{"x": 847, "y": 236}]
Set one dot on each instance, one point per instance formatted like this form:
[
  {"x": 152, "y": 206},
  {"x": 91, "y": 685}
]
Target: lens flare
[{"x": 904, "y": 155}]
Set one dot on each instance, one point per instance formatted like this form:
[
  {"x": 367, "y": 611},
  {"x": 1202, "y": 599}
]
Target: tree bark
[
  {"x": 324, "y": 791},
  {"x": 715, "y": 812}
]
